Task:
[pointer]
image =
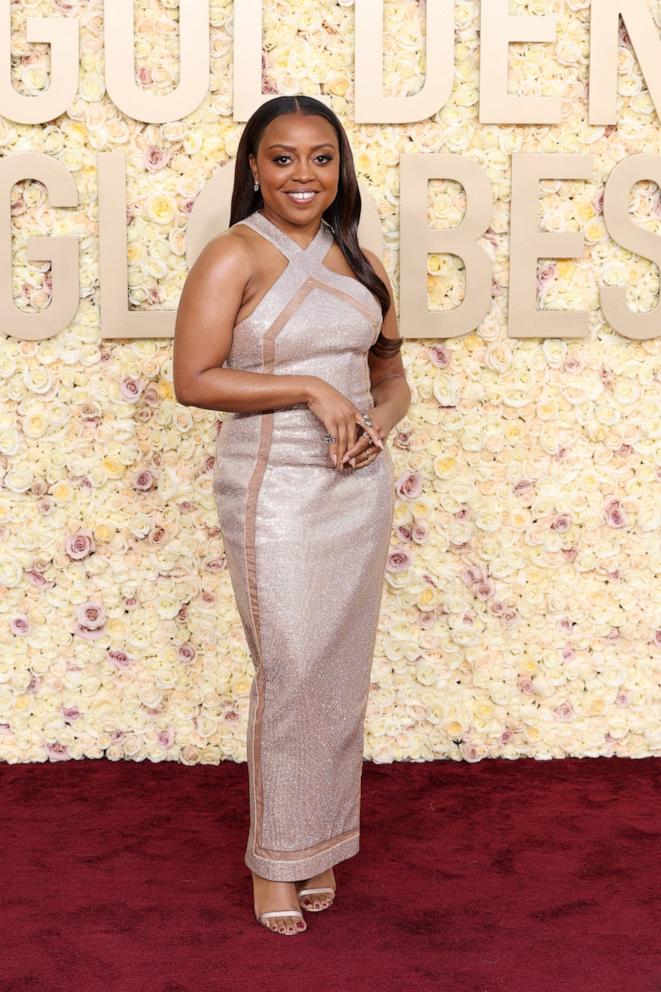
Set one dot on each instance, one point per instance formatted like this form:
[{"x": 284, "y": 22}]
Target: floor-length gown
[{"x": 306, "y": 550}]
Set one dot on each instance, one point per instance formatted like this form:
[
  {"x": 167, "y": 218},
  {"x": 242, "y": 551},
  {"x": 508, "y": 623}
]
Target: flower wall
[{"x": 520, "y": 613}]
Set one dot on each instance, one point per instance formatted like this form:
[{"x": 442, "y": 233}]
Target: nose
[{"x": 303, "y": 171}]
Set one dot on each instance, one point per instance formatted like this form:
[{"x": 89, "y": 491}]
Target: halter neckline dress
[{"x": 306, "y": 549}]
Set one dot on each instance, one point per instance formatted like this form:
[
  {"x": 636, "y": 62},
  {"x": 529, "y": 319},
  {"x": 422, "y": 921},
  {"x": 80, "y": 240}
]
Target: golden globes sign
[{"x": 527, "y": 242}]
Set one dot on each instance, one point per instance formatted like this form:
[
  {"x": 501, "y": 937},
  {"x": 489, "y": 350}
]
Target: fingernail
[
  {"x": 346, "y": 457},
  {"x": 334, "y": 457}
]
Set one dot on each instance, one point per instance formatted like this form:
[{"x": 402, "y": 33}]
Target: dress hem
[{"x": 294, "y": 871}]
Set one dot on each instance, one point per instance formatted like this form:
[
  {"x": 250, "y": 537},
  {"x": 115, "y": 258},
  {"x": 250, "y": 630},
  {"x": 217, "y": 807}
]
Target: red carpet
[{"x": 521, "y": 876}]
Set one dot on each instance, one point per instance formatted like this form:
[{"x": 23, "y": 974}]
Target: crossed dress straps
[{"x": 308, "y": 259}]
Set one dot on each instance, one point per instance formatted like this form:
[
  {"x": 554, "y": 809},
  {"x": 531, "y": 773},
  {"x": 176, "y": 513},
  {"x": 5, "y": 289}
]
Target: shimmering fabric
[{"x": 306, "y": 549}]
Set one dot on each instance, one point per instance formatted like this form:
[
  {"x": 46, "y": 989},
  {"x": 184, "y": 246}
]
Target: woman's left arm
[{"x": 389, "y": 388}]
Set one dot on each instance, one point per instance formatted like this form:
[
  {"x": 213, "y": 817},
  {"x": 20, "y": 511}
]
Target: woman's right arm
[{"x": 204, "y": 327}]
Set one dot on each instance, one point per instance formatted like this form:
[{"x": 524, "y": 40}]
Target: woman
[{"x": 303, "y": 323}]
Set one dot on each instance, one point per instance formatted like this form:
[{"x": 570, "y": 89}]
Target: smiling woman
[{"x": 276, "y": 324}]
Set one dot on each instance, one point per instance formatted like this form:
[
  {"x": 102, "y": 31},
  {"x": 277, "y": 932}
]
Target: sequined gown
[{"x": 306, "y": 550}]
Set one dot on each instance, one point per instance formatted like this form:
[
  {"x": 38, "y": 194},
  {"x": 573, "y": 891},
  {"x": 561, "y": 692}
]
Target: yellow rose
[{"x": 160, "y": 208}]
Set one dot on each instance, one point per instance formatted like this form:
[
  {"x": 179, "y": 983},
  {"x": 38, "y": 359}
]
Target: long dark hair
[{"x": 343, "y": 215}]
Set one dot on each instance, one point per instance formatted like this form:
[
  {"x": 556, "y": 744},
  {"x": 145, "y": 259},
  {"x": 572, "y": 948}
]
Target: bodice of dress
[{"x": 311, "y": 320}]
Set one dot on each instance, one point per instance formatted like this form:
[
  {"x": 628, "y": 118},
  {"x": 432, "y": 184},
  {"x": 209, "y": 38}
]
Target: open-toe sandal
[
  {"x": 322, "y": 890},
  {"x": 281, "y": 912}
]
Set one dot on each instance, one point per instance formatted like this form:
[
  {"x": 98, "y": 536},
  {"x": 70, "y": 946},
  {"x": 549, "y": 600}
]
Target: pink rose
[
  {"x": 420, "y": 533},
  {"x": 130, "y": 389},
  {"x": 157, "y": 536},
  {"x": 166, "y": 737},
  {"x": 399, "y": 560},
  {"x": 91, "y": 617},
  {"x": 144, "y": 480},
  {"x": 80, "y": 545},
  {"x": 545, "y": 274},
  {"x": 573, "y": 364},
  {"x": 484, "y": 589},
  {"x": 469, "y": 752},
  {"x": 155, "y": 158},
  {"x": 471, "y": 574},
  {"x": 187, "y": 652},
  {"x": 58, "y": 752},
  {"x": 614, "y": 515},
  {"x": 409, "y": 485},
  {"x": 510, "y": 617},
  {"x": 37, "y": 580},
  {"x": 439, "y": 355},
  {"x": 119, "y": 658}
]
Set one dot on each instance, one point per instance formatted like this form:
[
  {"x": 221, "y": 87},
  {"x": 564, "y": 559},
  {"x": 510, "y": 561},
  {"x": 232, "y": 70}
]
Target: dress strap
[{"x": 319, "y": 245}]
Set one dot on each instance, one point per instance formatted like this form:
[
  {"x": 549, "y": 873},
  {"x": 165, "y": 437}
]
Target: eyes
[{"x": 278, "y": 158}]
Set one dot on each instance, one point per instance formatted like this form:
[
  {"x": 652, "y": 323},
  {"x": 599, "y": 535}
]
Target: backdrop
[{"x": 520, "y": 614}]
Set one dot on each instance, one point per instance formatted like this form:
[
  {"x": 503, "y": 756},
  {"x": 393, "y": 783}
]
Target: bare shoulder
[{"x": 229, "y": 254}]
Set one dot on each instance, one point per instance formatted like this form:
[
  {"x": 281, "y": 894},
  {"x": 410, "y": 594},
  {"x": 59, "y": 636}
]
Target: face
[{"x": 297, "y": 153}]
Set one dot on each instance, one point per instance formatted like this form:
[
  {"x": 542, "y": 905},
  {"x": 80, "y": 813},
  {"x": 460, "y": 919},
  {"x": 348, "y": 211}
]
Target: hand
[
  {"x": 362, "y": 453},
  {"x": 341, "y": 418}
]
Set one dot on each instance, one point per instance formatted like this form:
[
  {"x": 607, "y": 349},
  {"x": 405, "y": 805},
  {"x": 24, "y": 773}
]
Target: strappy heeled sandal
[
  {"x": 281, "y": 912},
  {"x": 317, "y": 891}
]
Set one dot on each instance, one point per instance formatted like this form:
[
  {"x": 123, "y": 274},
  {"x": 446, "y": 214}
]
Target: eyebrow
[{"x": 291, "y": 148}]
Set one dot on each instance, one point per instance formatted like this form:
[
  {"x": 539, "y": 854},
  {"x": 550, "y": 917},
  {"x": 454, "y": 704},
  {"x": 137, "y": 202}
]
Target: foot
[
  {"x": 316, "y": 901},
  {"x": 269, "y": 897}
]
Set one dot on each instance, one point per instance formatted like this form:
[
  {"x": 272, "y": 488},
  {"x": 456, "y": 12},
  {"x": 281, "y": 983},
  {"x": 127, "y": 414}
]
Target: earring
[{"x": 256, "y": 185}]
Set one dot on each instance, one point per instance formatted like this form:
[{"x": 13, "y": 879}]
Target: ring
[
  {"x": 329, "y": 438},
  {"x": 366, "y": 420}
]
